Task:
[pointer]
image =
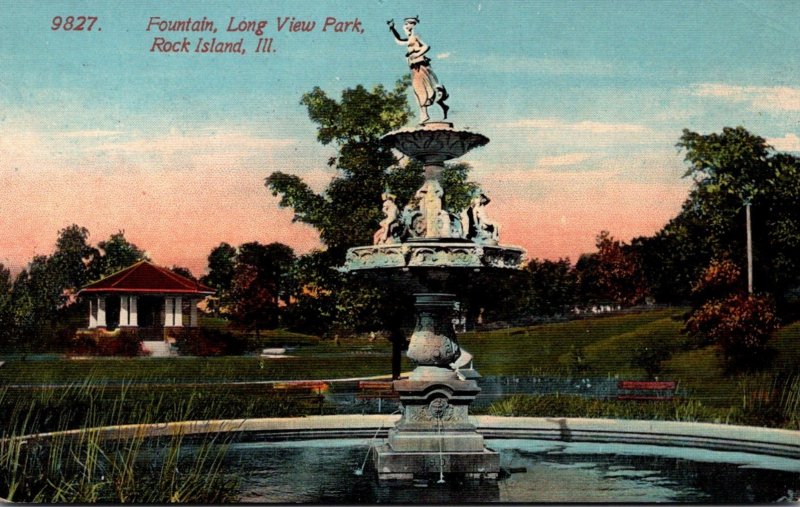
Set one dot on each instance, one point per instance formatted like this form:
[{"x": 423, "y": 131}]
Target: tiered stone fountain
[{"x": 424, "y": 248}]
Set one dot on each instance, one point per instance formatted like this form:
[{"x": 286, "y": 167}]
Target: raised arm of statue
[{"x": 397, "y": 38}]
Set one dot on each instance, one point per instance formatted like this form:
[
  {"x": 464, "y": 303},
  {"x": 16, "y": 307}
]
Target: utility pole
[{"x": 749, "y": 249}]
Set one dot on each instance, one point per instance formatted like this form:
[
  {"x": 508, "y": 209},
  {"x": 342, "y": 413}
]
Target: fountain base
[
  {"x": 435, "y": 437},
  {"x": 406, "y": 466}
]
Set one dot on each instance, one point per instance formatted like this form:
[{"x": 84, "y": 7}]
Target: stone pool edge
[{"x": 758, "y": 440}]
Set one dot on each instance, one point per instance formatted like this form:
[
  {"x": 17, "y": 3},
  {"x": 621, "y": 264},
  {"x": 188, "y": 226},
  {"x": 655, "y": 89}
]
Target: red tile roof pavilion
[{"x": 146, "y": 278}]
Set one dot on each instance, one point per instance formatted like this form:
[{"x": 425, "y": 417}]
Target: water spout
[
  {"x": 360, "y": 471},
  {"x": 441, "y": 454}
]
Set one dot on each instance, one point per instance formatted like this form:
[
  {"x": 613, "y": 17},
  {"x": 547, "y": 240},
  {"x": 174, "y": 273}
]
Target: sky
[{"x": 583, "y": 103}]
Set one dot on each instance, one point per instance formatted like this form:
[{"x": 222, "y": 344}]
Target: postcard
[{"x": 365, "y": 251}]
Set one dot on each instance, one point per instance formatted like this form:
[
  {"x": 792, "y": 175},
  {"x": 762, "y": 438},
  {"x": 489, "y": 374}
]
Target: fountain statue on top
[
  {"x": 425, "y": 83},
  {"x": 427, "y": 250}
]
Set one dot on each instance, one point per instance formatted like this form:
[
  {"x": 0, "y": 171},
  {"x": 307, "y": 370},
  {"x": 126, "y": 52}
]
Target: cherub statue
[
  {"x": 479, "y": 228},
  {"x": 391, "y": 214},
  {"x": 425, "y": 83}
]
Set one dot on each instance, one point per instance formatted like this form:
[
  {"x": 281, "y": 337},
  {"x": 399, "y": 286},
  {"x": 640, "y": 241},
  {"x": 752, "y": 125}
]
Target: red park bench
[
  {"x": 647, "y": 390},
  {"x": 376, "y": 389},
  {"x": 371, "y": 389},
  {"x": 305, "y": 390}
]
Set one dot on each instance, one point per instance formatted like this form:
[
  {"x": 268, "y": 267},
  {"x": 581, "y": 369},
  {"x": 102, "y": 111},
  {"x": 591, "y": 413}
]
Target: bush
[
  {"x": 576, "y": 406},
  {"x": 739, "y": 325},
  {"x": 99, "y": 342},
  {"x": 650, "y": 353},
  {"x": 207, "y": 342}
]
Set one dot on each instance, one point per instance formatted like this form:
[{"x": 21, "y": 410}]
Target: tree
[
  {"x": 259, "y": 284},
  {"x": 221, "y": 267},
  {"x": 118, "y": 254},
  {"x": 553, "y": 286},
  {"x": 38, "y": 293},
  {"x": 348, "y": 212},
  {"x": 73, "y": 257},
  {"x": 734, "y": 168},
  {"x": 738, "y": 324},
  {"x": 613, "y": 273},
  {"x": 6, "y": 307},
  {"x": 184, "y": 272}
]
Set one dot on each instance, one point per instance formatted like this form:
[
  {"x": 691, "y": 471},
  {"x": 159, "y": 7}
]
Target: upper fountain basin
[{"x": 434, "y": 143}]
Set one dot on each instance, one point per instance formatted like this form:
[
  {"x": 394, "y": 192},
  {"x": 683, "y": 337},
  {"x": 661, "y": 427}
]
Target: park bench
[
  {"x": 647, "y": 390},
  {"x": 304, "y": 390},
  {"x": 376, "y": 390},
  {"x": 372, "y": 389}
]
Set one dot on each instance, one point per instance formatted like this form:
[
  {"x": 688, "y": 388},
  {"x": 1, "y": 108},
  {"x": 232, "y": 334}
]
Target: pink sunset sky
[{"x": 208, "y": 188}]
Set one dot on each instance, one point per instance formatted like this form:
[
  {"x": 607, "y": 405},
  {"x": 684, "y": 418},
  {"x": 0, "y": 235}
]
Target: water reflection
[{"x": 322, "y": 471}]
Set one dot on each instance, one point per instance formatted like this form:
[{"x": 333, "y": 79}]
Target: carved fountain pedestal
[{"x": 434, "y": 436}]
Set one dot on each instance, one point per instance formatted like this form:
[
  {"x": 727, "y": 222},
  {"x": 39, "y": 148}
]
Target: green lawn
[
  {"x": 545, "y": 349},
  {"x": 605, "y": 345}
]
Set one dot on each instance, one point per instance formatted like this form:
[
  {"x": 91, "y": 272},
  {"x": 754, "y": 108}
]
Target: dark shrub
[{"x": 208, "y": 342}]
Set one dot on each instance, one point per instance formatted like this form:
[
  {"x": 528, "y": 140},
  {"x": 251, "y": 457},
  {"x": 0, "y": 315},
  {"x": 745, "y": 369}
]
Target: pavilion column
[
  {"x": 133, "y": 315},
  {"x": 123, "y": 310},
  {"x": 169, "y": 312},
  {"x": 193, "y": 312},
  {"x": 92, "y": 316},
  {"x": 178, "y": 319},
  {"x": 101, "y": 311}
]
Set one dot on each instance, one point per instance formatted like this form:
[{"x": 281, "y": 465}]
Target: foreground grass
[{"x": 86, "y": 469}]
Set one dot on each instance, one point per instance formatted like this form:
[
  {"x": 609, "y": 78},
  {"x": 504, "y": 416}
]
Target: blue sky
[{"x": 583, "y": 101}]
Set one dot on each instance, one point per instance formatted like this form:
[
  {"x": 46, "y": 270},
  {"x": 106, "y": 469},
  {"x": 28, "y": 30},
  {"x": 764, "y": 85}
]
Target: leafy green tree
[
  {"x": 73, "y": 257},
  {"x": 259, "y": 284},
  {"x": 38, "y": 294},
  {"x": 118, "y": 253},
  {"x": 729, "y": 169},
  {"x": 347, "y": 213},
  {"x": 553, "y": 286},
  {"x": 183, "y": 271},
  {"x": 6, "y": 307},
  {"x": 221, "y": 268},
  {"x": 221, "y": 265}
]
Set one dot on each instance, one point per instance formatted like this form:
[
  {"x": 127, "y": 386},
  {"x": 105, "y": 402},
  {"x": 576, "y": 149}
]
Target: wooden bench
[
  {"x": 371, "y": 389},
  {"x": 647, "y": 390},
  {"x": 376, "y": 390},
  {"x": 310, "y": 392},
  {"x": 302, "y": 386}
]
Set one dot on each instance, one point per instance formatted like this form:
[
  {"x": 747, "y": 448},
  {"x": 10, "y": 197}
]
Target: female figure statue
[
  {"x": 425, "y": 83},
  {"x": 391, "y": 214}
]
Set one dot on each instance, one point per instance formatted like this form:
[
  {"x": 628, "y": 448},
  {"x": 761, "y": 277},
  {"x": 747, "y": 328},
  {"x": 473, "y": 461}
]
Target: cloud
[
  {"x": 766, "y": 98},
  {"x": 548, "y": 66},
  {"x": 90, "y": 133},
  {"x": 561, "y": 160},
  {"x": 586, "y": 127},
  {"x": 789, "y": 142},
  {"x": 202, "y": 143}
]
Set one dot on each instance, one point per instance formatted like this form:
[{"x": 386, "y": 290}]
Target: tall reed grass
[{"x": 82, "y": 467}]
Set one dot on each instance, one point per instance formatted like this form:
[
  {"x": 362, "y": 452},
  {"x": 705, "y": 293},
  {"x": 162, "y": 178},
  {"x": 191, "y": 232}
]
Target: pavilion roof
[{"x": 146, "y": 278}]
